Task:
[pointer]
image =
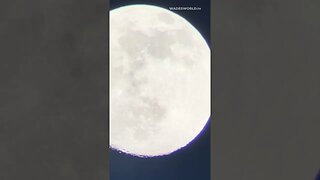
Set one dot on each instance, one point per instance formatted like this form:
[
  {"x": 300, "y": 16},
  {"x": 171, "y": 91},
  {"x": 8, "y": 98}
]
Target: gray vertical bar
[
  {"x": 266, "y": 90},
  {"x": 53, "y": 90}
]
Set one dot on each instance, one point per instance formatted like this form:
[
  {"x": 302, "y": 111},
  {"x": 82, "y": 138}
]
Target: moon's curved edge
[{"x": 123, "y": 151}]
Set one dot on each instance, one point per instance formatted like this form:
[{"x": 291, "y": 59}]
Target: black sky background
[{"x": 191, "y": 162}]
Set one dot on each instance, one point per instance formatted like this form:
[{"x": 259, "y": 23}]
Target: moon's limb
[{"x": 159, "y": 81}]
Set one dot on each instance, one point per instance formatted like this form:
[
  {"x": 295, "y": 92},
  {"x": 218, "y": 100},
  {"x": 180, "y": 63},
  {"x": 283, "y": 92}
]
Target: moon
[{"x": 159, "y": 81}]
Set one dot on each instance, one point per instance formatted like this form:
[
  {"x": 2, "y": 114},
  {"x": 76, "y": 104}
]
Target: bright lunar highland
[{"x": 159, "y": 81}]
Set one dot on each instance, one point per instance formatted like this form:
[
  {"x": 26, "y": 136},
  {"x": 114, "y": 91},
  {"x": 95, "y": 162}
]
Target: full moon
[{"x": 159, "y": 81}]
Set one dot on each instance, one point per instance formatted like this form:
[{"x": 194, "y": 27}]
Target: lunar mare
[{"x": 159, "y": 81}]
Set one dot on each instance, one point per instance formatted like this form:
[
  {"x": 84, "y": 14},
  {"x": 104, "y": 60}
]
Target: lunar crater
[{"x": 159, "y": 81}]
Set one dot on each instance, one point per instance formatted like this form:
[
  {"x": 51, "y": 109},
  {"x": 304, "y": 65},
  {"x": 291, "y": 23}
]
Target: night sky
[
  {"x": 318, "y": 176},
  {"x": 191, "y": 162}
]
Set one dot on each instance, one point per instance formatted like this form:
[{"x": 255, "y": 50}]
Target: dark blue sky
[
  {"x": 191, "y": 162},
  {"x": 318, "y": 176}
]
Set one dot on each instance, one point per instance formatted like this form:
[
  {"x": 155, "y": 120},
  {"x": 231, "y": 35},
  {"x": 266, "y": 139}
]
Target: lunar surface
[{"x": 159, "y": 81}]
